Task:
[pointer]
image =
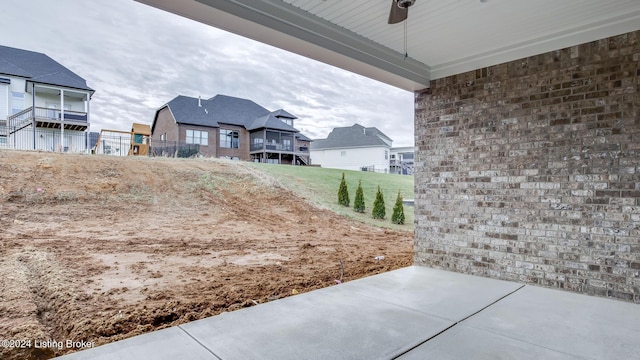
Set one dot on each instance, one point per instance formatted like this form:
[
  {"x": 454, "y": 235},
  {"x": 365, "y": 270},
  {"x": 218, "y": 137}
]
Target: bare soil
[{"x": 99, "y": 248}]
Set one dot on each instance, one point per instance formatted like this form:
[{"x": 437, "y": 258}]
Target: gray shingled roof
[
  {"x": 301, "y": 137},
  {"x": 39, "y": 68},
  {"x": 223, "y": 109},
  {"x": 270, "y": 122},
  {"x": 234, "y": 111},
  {"x": 185, "y": 110},
  {"x": 351, "y": 136},
  {"x": 283, "y": 113},
  {"x": 220, "y": 109}
]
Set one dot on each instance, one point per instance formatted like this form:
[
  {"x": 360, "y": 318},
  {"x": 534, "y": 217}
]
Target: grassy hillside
[{"x": 320, "y": 185}]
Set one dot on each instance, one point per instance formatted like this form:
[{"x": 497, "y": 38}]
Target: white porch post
[
  {"x": 87, "y": 132},
  {"x": 62, "y": 120},
  {"x": 33, "y": 113}
]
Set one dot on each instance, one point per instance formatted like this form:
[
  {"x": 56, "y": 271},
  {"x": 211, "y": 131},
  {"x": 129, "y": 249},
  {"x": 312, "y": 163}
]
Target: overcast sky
[{"x": 137, "y": 58}]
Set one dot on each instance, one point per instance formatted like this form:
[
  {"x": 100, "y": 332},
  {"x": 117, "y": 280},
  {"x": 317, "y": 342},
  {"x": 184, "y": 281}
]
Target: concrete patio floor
[{"x": 411, "y": 313}]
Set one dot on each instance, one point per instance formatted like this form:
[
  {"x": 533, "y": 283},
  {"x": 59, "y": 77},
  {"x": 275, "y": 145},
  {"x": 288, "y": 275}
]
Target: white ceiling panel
[{"x": 444, "y": 37}]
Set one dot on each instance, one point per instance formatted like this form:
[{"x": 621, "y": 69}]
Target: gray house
[{"x": 43, "y": 105}]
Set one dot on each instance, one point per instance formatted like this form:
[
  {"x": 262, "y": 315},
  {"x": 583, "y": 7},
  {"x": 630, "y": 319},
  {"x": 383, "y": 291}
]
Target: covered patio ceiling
[{"x": 444, "y": 37}]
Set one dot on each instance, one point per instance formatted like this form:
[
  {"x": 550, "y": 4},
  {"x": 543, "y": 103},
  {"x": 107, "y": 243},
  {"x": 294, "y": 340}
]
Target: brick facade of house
[
  {"x": 242, "y": 152},
  {"x": 530, "y": 170},
  {"x": 165, "y": 126},
  {"x": 212, "y": 138}
]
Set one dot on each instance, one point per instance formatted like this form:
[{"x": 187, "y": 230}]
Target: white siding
[
  {"x": 4, "y": 101},
  {"x": 43, "y": 100},
  {"x": 352, "y": 158},
  {"x": 4, "y": 111},
  {"x": 18, "y": 86}
]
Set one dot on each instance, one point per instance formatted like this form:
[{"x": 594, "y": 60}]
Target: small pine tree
[
  {"x": 398, "y": 211},
  {"x": 378, "y": 205},
  {"x": 358, "y": 202},
  {"x": 343, "y": 193}
]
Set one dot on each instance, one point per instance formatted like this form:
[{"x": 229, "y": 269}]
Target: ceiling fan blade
[{"x": 397, "y": 14}]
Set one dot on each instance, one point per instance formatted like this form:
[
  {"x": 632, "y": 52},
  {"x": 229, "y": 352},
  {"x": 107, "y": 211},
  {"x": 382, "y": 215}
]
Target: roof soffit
[
  {"x": 444, "y": 37},
  {"x": 284, "y": 26}
]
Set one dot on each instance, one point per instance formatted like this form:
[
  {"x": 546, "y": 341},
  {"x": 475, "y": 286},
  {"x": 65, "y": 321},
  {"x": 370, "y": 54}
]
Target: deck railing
[
  {"x": 19, "y": 120},
  {"x": 54, "y": 114},
  {"x": 279, "y": 147},
  {"x": 25, "y": 117}
]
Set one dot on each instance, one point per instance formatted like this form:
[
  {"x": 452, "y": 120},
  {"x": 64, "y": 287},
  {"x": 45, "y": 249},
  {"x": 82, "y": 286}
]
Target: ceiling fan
[{"x": 399, "y": 10}]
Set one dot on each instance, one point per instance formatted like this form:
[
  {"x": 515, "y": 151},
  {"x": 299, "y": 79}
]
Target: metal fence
[
  {"x": 43, "y": 139},
  {"x": 114, "y": 143},
  {"x": 167, "y": 148},
  {"x": 119, "y": 143},
  {"x": 372, "y": 168},
  {"x": 3, "y": 134}
]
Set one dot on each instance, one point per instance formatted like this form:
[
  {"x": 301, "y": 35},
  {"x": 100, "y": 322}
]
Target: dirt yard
[{"x": 97, "y": 249}]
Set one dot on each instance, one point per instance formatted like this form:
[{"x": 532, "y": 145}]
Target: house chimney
[{"x": 199, "y": 101}]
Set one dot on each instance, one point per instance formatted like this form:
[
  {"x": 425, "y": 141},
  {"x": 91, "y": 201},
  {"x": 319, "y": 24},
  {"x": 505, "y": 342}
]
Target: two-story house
[
  {"x": 353, "y": 148},
  {"x": 43, "y": 105},
  {"x": 401, "y": 160},
  {"x": 230, "y": 127}
]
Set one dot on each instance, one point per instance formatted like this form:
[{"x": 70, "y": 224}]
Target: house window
[
  {"x": 17, "y": 102},
  {"x": 229, "y": 139},
  {"x": 343, "y": 153},
  {"x": 386, "y": 155},
  {"x": 163, "y": 137},
  {"x": 197, "y": 137}
]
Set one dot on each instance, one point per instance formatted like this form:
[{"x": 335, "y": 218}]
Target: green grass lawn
[{"x": 320, "y": 186}]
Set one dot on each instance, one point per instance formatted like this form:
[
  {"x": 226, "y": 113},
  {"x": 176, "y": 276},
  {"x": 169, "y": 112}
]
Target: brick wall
[
  {"x": 212, "y": 138},
  {"x": 530, "y": 170},
  {"x": 165, "y": 124},
  {"x": 242, "y": 152}
]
